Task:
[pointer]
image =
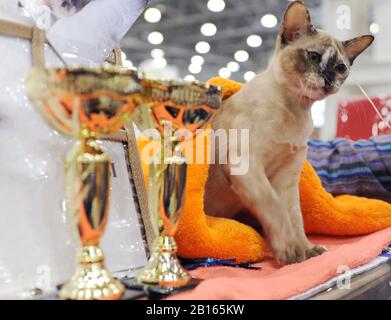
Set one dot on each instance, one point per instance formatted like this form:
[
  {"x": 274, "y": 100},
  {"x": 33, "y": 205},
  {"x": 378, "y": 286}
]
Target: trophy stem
[
  {"x": 167, "y": 188},
  {"x": 88, "y": 183}
]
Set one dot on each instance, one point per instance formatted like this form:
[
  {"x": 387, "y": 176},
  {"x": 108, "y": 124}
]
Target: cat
[
  {"x": 308, "y": 65},
  {"x": 65, "y": 8}
]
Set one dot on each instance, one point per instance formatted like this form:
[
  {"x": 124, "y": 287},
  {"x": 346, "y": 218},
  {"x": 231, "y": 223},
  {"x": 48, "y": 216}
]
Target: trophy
[
  {"x": 86, "y": 103},
  {"x": 179, "y": 107}
]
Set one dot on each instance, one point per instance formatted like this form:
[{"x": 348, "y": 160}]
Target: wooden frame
[{"x": 136, "y": 178}]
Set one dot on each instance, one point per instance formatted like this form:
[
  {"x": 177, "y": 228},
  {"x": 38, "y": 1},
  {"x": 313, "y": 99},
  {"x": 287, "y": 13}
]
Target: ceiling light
[
  {"x": 374, "y": 28},
  {"x": 195, "y": 68},
  {"x": 189, "y": 77},
  {"x": 233, "y": 66},
  {"x": 152, "y": 15},
  {"x": 196, "y": 59},
  {"x": 208, "y": 29},
  {"x": 160, "y": 62},
  {"x": 224, "y": 73},
  {"x": 127, "y": 64},
  {"x": 254, "y": 41},
  {"x": 216, "y": 5},
  {"x": 269, "y": 20},
  {"x": 202, "y": 47},
  {"x": 317, "y": 113},
  {"x": 241, "y": 55},
  {"x": 155, "y": 37},
  {"x": 157, "y": 53},
  {"x": 123, "y": 56},
  {"x": 249, "y": 75}
]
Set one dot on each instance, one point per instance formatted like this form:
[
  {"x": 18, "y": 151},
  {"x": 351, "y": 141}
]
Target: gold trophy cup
[
  {"x": 174, "y": 105},
  {"x": 86, "y": 103}
]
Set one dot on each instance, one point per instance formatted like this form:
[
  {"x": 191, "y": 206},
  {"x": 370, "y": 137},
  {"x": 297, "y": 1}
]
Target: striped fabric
[{"x": 361, "y": 168}]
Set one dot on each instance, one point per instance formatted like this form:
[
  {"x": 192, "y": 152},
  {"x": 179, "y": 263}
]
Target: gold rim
[
  {"x": 81, "y": 80},
  {"x": 182, "y": 92}
]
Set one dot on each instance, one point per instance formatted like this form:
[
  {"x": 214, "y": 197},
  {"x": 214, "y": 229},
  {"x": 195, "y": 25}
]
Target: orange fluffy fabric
[{"x": 200, "y": 235}]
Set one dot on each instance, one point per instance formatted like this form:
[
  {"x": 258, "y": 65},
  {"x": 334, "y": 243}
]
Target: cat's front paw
[
  {"x": 295, "y": 250},
  {"x": 315, "y": 251}
]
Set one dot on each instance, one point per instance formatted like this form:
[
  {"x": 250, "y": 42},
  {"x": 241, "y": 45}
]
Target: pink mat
[{"x": 272, "y": 282}]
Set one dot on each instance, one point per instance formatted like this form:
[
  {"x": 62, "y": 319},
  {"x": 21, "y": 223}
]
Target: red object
[{"x": 357, "y": 119}]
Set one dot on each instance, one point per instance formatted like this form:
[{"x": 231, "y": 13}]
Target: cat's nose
[
  {"x": 329, "y": 77},
  {"x": 328, "y": 82}
]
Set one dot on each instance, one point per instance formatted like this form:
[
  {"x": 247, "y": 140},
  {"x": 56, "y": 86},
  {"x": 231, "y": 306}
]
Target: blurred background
[{"x": 235, "y": 39}]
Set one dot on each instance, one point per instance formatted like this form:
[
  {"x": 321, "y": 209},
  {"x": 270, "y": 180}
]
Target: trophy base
[
  {"x": 155, "y": 292},
  {"x": 92, "y": 281},
  {"x": 163, "y": 268}
]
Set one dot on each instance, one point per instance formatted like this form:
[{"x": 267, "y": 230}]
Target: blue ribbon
[
  {"x": 386, "y": 252},
  {"x": 191, "y": 264}
]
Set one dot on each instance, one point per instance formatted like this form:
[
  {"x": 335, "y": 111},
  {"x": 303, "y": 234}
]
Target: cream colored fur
[{"x": 276, "y": 108}]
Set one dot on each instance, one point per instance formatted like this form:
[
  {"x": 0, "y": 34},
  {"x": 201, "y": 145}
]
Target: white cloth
[
  {"x": 93, "y": 32},
  {"x": 8, "y": 6}
]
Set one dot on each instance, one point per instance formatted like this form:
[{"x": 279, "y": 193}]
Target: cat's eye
[
  {"x": 314, "y": 56},
  {"x": 341, "y": 68}
]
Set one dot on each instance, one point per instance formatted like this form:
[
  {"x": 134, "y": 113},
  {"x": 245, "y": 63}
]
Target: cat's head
[{"x": 311, "y": 62}]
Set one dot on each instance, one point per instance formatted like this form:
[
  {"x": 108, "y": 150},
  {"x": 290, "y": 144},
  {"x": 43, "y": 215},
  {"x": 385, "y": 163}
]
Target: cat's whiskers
[
  {"x": 386, "y": 123},
  {"x": 301, "y": 91},
  {"x": 304, "y": 87}
]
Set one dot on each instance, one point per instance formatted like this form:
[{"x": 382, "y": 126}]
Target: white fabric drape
[{"x": 93, "y": 32}]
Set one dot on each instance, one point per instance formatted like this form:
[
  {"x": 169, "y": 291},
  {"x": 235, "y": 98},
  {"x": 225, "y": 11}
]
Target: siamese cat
[{"x": 308, "y": 65}]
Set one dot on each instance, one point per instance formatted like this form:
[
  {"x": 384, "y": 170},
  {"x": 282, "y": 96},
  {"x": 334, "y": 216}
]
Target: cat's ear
[
  {"x": 354, "y": 47},
  {"x": 296, "y": 23}
]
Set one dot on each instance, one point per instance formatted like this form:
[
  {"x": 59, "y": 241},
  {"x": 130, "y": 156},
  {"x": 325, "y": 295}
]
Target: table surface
[{"x": 374, "y": 284}]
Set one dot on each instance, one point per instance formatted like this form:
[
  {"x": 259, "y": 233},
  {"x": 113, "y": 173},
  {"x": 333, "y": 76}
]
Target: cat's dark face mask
[{"x": 313, "y": 62}]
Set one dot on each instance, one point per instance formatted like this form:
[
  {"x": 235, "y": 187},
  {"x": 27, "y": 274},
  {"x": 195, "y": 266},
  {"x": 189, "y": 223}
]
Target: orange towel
[{"x": 201, "y": 236}]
